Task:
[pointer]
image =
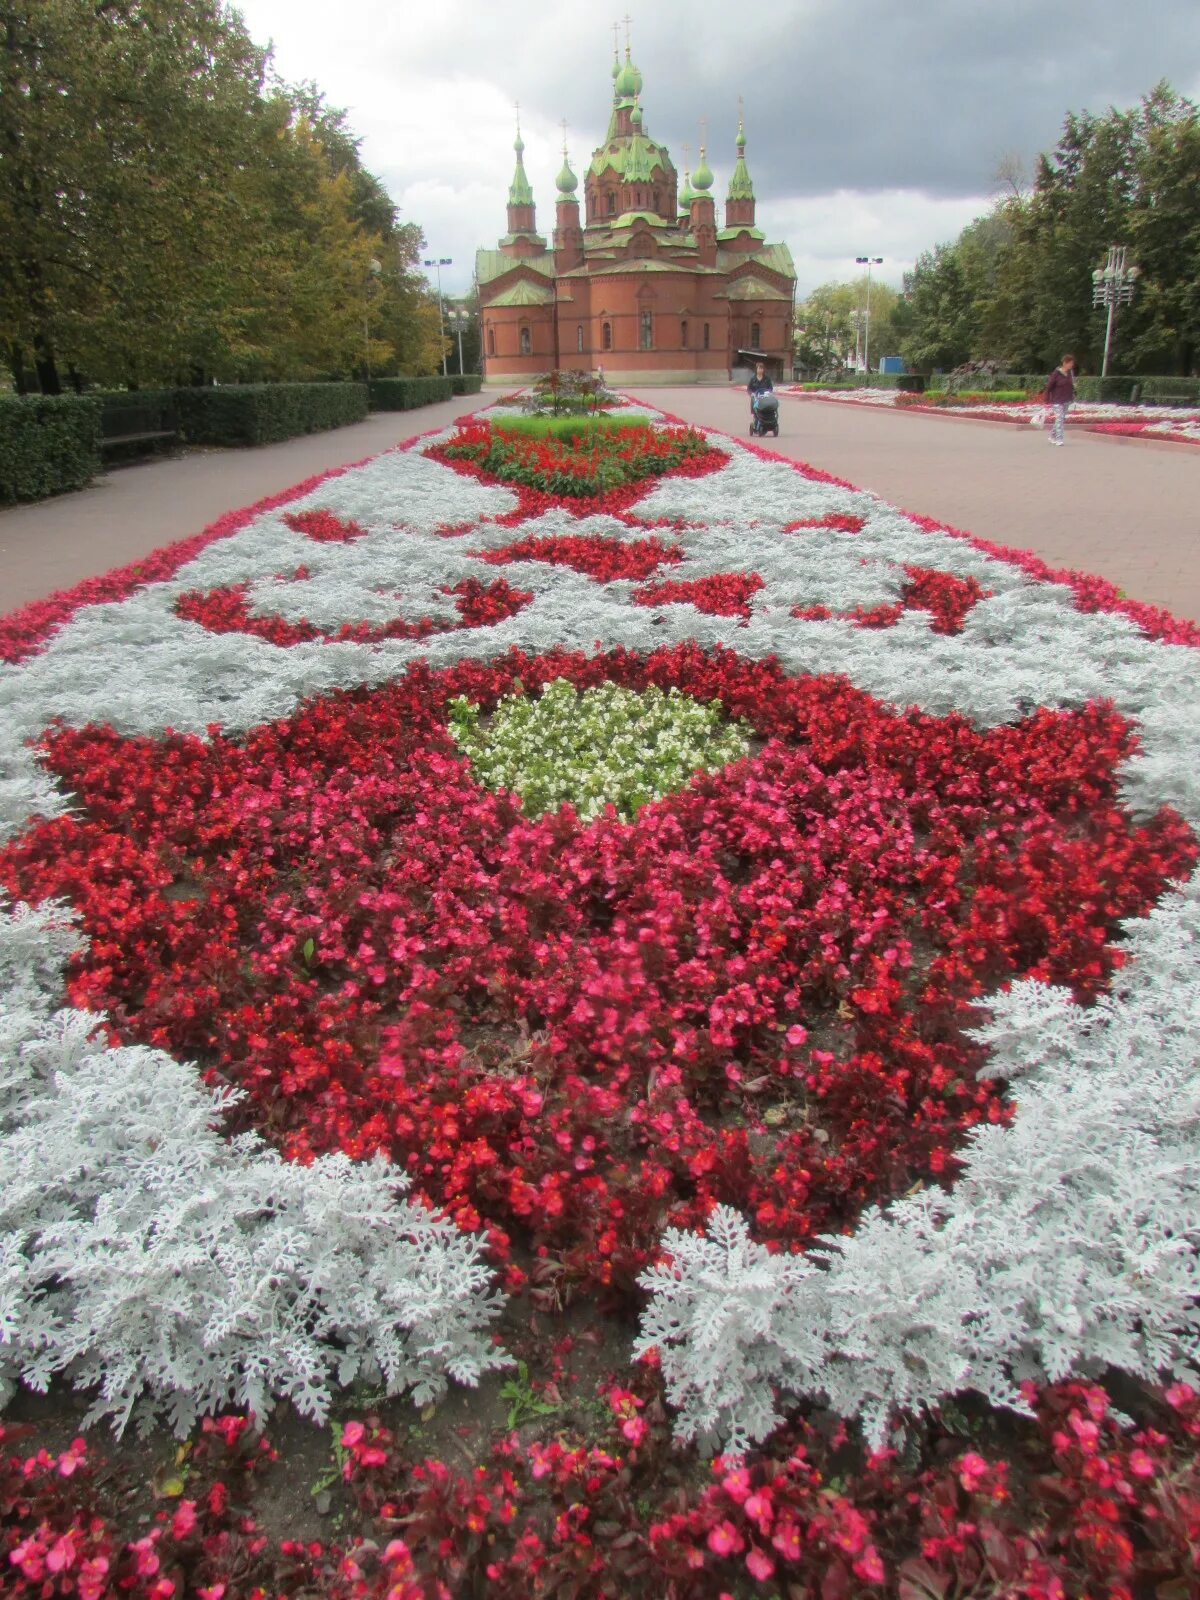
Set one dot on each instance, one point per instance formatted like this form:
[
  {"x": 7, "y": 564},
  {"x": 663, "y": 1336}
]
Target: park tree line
[
  {"x": 171, "y": 212},
  {"x": 1015, "y": 287}
]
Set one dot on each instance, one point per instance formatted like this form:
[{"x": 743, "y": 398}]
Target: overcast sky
[{"x": 873, "y": 126}]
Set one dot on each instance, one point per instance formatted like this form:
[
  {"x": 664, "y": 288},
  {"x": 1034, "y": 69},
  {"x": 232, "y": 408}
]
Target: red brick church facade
[{"x": 644, "y": 285}]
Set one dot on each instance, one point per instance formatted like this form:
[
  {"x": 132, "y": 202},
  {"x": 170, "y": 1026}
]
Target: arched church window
[
  {"x": 612, "y": 203},
  {"x": 647, "y": 331},
  {"x": 579, "y": 339},
  {"x": 607, "y": 335},
  {"x": 491, "y": 341},
  {"x": 755, "y": 336},
  {"x": 526, "y": 342}
]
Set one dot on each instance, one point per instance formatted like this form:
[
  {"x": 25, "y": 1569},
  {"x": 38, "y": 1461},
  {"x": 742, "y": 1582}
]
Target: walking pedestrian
[{"x": 1060, "y": 391}]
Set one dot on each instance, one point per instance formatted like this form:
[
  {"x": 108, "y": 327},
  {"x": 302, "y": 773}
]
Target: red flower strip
[
  {"x": 226, "y": 611},
  {"x": 591, "y": 554},
  {"x": 724, "y": 594}
]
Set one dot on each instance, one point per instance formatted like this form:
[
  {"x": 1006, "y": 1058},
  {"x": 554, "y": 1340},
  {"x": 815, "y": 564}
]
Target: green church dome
[
  {"x": 702, "y": 178},
  {"x": 566, "y": 180}
]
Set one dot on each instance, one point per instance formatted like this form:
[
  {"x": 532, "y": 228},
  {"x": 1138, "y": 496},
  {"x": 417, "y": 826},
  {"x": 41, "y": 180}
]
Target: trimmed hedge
[
  {"x": 49, "y": 444},
  {"x": 406, "y": 394},
  {"x": 263, "y": 413},
  {"x": 466, "y": 382}
]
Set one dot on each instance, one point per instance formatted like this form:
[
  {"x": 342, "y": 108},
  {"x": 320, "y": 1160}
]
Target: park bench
[
  {"x": 1164, "y": 395},
  {"x": 133, "y": 422}
]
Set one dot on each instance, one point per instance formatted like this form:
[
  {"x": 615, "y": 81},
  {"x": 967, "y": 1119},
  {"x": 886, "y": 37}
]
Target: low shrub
[
  {"x": 945, "y": 400},
  {"x": 49, "y": 444},
  {"x": 466, "y": 383},
  {"x": 1108, "y": 391},
  {"x": 262, "y": 413},
  {"x": 405, "y": 394}
]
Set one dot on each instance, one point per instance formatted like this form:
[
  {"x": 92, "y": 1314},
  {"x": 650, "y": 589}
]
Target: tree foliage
[
  {"x": 1015, "y": 286},
  {"x": 169, "y": 211}
]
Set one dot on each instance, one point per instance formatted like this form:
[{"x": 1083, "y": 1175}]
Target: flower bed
[
  {"x": 709, "y": 909},
  {"x": 1149, "y": 421}
]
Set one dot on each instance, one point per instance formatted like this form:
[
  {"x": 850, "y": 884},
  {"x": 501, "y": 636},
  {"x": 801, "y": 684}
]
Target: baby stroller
[{"x": 764, "y": 417}]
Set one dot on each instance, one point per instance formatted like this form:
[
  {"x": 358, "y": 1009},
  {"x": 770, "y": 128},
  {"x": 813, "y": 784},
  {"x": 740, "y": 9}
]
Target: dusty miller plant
[
  {"x": 1067, "y": 1245},
  {"x": 173, "y": 1272}
]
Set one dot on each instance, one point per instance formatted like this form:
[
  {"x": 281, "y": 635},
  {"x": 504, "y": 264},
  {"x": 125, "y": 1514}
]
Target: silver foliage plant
[
  {"x": 1067, "y": 1245},
  {"x": 174, "y": 1272}
]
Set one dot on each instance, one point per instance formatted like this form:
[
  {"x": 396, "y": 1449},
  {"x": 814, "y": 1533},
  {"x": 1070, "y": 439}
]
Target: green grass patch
[{"x": 569, "y": 429}]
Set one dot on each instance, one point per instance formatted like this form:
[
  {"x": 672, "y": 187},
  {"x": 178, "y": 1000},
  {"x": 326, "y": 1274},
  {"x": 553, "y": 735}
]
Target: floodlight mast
[
  {"x": 1112, "y": 286},
  {"x": 868, "y": 262}
]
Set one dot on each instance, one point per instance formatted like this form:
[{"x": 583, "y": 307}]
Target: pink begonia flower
[
  {"x": 725, "y": 1540},
  {"x": 786, "y": 1540},
  {"x": 1179, "y": 1395},
  {"x": 184, "y": 1520},
  {"x": 759, "y": 1508},
  {"x": 72, "y": 1458},
  {"x": 215, "y": 1591},
  {"x": 973, "y": 1471},
  {"x": 61, "y": 1554},
  {"x": 736, "y": 1484},
  {"x": 869, "y": 1567},
  {"x": 93, "y": 1580},
  {"x": 29, "y": 1556},
  {"x": 353, "y": 1433},
  {"x": 145, "y": 1559},
  {"x": 1141, "y": 1465},
  {"x": 760, "y": 1565}
]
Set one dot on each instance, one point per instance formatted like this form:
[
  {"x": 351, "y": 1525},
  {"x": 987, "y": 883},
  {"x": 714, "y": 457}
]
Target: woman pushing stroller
[{"x": 764, "y": 407}]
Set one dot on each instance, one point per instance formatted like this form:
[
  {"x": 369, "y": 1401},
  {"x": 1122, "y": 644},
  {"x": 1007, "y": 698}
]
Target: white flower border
[{"x": 916, "y": 1304}]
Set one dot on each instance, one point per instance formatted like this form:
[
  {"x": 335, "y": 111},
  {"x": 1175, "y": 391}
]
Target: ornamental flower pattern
[{"x": 759, "y": 993}]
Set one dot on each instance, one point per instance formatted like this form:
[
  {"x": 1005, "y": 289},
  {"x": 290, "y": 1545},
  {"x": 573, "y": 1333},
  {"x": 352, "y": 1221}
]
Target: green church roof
[
  {"x": 633, "y": 158},
  {"x": 524, "y": 294},
  {"x": 493, "y": 264}
]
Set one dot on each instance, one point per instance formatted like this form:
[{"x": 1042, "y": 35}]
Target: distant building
[{"x": 645, "y": 285}]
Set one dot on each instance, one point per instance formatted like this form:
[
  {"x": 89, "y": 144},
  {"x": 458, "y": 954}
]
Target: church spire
[
  {"x": 739, "y": 201},
  {"x": 520, "y": 191}
]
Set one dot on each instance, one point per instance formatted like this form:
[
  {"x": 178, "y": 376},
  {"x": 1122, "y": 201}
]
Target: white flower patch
[{"x": 1043, "y": 1258}]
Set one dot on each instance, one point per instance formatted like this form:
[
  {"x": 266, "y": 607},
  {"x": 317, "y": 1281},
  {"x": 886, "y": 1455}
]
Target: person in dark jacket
[
  {"x": 760, "y": 383},
  {"x": 1060, "y": 391}
]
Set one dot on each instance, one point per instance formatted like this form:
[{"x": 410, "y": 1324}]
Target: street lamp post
[
  {"x": 1112, "y": 286},
  {"x": 374, "y": 268},
  {"x": 458, "y": 315},
  {"x": 868, "y": 262},
  {"x": 439, "y": 262}
]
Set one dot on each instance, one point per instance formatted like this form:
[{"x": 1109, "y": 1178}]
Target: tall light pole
[
  {"x": 868, "y": 262},
  {"x": 439, "y": 262},
  {"x": 1112, "y": 286}
]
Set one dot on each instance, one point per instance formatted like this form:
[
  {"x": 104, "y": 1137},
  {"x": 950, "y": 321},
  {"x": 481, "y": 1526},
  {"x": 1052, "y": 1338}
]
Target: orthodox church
[{"x": 645, "y": 285}]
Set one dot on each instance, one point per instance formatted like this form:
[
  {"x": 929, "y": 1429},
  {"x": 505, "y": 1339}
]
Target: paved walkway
[
  {"x": 1129, "y": 511},
  {"x": 1124, "y": 509},
  {"x": 133, "y": 510}
]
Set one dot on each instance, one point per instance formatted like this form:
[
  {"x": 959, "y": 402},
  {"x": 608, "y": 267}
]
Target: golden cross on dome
[
  {"x": 616, "y": 38},
  {"x": 628, "y": 19},
  {"x": 517, "y": 109},
  {"x": 564, "y": 129}
]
